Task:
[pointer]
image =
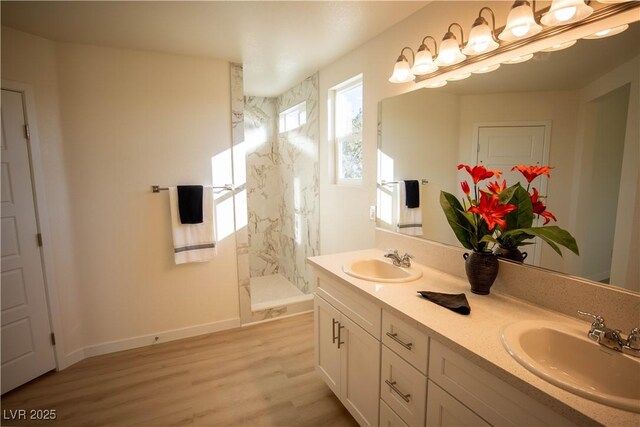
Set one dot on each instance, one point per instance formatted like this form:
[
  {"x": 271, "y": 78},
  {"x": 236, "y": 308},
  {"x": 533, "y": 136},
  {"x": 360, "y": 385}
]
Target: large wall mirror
[{"x": 576, "y": 110}]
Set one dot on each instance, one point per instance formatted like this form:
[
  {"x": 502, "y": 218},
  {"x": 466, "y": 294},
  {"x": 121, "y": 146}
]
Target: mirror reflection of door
[{"x": 504, "y": 145}]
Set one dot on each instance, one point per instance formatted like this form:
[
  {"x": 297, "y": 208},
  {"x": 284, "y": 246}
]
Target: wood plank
[{"x": 261, "y": 375}]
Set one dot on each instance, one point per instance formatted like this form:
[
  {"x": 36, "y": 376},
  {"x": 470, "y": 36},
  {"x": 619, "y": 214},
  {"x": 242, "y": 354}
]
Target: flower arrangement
[{"x": 501, "y": 215}]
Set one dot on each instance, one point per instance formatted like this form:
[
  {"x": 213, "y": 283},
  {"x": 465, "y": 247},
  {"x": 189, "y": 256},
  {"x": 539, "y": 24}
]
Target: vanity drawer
[
  {"x": 403, "y": 388},
  {"x": 406, "y": 340},
  {"x": 495, "y": 401},
  {"x": 444, "y": 410},
  {"x": 362, "y": 311},
  {"x": 388, "y": 418}
]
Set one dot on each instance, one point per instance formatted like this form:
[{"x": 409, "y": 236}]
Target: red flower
[
  {"x": 479, "y": 172},
  {"x": 497, "y": 188},
  {"x": 532, "y": 172},
  {"x": 540, "y": 209},
  {"x": 492, "y": 211},
  {"x": 465, "y": 187}
]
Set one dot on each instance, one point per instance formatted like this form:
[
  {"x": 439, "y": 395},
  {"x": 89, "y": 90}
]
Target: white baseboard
[
  {"x": 146, "y": 340},
  {"x": 71, "y": 359}
]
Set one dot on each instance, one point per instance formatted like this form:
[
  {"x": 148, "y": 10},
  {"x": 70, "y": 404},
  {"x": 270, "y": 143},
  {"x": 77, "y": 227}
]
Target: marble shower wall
[
  {"x": 283, "y": 186},
  {"x": 299, "y": 181},
  {"x": 264, "y": 191}
]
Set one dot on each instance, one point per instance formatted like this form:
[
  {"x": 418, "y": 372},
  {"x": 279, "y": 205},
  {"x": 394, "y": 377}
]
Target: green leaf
[
  {"x": 554, "y": 236},
  {"x": 460, "y": 224},
  {"x": 523, "y": 216},
  {"x": 507, "y": 194}
]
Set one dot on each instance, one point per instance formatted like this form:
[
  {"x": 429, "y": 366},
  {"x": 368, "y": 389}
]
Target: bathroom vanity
[{"x": 396, "y": 359}]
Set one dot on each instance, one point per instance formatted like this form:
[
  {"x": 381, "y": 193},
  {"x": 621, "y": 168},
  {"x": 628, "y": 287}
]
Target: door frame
[
  {"x": 42, "y": 218},
  {"x": 537, "y": 255}
]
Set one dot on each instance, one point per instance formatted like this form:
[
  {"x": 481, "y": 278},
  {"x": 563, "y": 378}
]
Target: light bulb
[
  {"x": 520, "y": 30},
  {"x": 565, "y": 13}
]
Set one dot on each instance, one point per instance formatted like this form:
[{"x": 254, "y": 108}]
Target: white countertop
[{"x": 476, "y": 336}]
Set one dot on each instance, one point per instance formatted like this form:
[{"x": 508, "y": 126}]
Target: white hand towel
[
  {"x": 409, "y": 220},
  {"x": 193, "y": 242}
]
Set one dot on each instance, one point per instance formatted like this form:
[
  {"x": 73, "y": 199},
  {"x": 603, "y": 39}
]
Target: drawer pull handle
[
  {"x": 333, "y": 330},
  {"x": 340, "y": 334},
  {"x": 392, "y": 384},
  {"x": 394, "y": 337}
]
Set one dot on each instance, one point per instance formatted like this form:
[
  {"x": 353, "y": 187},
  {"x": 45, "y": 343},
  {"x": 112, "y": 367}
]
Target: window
[
  {"x": 293, "y": 117},
  {"x": 347, "y": 131}
]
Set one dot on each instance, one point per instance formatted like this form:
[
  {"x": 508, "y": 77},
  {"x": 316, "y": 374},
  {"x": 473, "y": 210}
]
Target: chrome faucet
[
  {"x": 399, "y": 261},
  {"x": 612, "y": 338}
]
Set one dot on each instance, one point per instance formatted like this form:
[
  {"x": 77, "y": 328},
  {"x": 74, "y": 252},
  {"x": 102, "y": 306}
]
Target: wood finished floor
[{"x": 261, "y": 375}]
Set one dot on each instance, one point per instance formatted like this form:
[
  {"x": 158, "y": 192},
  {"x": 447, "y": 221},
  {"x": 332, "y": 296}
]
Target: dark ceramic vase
[
  {"x": 481, "y": 269},
  {"x": 512, "y": 254}
]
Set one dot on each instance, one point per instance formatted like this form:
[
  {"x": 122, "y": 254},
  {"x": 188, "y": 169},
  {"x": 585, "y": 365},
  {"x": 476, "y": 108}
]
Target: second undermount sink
[
  {"x": 383, "y": 271},
  {"x": 564, "y": 356}
]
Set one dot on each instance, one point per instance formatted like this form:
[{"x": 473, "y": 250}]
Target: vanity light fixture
[
  {"x": 520, "y": 22},
  {"x": 560, "y": 46},
  {"x": 488, "y": 69},
  {"x": 519, "y": 59},
  {"x": 563, "y": 12},
  {"x": 522, "y": 29},
  {"x": 402, "y": 69},
  {"x": 436, "y": 84},
  {"x": 607, "y": 33},
  {"x": 423, "y": 64},
  {"x": 482, "y": 37},
  {"x": 459, "y": 77},
  {"x": 450, "y": 53}
]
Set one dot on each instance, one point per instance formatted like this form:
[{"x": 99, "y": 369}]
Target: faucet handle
[
  {"x": 407, "y": 255},
  {"x": 598, "y": 321},
  {"x": 392, "y": 251}
]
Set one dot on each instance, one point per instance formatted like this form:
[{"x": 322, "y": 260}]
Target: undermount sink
[
  {"x": 383, "y": 271},
  {"x": 564, "y": 356}
]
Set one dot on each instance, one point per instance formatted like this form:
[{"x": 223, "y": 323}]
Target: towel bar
[
  {"x": 157, "y": 188},
  {"x": 383, "y": 182}
]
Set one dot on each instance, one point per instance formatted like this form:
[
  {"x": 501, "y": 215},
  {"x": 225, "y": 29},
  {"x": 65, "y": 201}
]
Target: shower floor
[{"x": 274, "y": 290}]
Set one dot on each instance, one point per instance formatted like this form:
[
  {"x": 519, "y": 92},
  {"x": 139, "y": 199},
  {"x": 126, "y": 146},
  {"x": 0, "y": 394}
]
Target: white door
[
  {"x": 360, "y": 372},
  {"x": 327, "y": 354},
  {"x": 504, "y": 146},
  {"x": 27, "y": 351}
]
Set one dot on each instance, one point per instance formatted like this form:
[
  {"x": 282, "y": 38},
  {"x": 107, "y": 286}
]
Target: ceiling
[{"x": 279, "y": 43}]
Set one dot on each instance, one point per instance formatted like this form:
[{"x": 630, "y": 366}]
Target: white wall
[
  {"x": 32, "y": 60},
  {"x": 624, "y": 269},
  {"x": 419, "y": 131},
  {"x": 375, "y": 60},
  {"x": 114, "y": 123}
]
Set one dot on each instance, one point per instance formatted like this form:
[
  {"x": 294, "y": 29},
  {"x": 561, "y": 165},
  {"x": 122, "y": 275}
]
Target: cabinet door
[
  {"x": 360, "y": 372},
  {"x": 327, "y": 354},
  {"x": 443, "y": 410}
]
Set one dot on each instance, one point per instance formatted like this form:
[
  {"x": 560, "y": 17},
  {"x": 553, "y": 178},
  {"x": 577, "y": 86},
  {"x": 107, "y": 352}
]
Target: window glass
[{"x": 348, "y": 131}]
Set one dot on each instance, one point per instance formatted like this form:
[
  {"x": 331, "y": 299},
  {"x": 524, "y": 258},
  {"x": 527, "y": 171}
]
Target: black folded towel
[
  {"x": 412, "y": 193},
  {"x": 454, "y": 302},
  {"x": 190, "y": 204}
]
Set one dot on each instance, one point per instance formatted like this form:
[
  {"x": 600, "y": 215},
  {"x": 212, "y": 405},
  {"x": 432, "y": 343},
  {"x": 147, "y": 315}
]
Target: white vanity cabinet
[
  {"x": 387, "y": 371},
  {"x": 346, "y": 355}
]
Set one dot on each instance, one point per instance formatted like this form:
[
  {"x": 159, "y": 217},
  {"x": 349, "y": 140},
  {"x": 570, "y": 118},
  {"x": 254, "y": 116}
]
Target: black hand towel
[
  {"x": 190, "y": 204},
  {"x": 412, "y": 193},
  {"x": 454, "y": 302}
]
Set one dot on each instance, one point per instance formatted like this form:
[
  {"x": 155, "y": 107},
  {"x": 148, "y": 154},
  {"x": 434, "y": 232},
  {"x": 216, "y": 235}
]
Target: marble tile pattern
[
  {"x": 299, "y": 182},
  {"x": 242, "y": 240},
  {"x": 264, "y": 193}
]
